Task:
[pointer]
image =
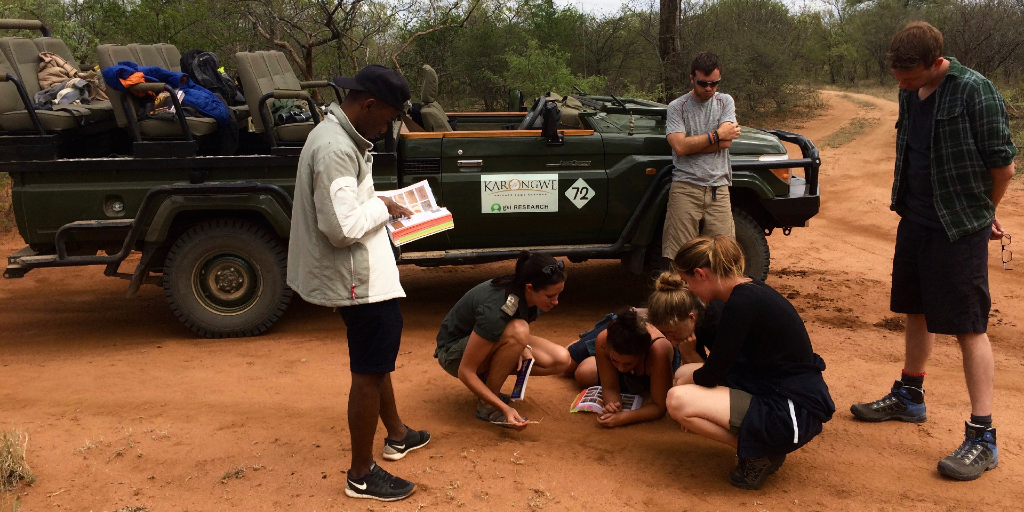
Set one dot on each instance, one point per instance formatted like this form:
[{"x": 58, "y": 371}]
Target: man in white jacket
[{"x": 340, "y": 256}]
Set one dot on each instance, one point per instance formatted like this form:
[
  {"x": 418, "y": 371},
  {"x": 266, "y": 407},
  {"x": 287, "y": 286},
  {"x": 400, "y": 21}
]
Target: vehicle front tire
[
  {"x": 226, "y": 278},
  {"x": 754, "y": 243}
]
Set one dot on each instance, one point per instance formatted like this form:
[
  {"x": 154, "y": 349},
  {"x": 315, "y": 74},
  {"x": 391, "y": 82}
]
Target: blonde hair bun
[{"x": 669, "y": 282}]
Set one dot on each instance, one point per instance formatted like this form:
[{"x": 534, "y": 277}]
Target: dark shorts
[
  {"x": 451, "y": 357},
  {"x": 739, "y": 402},
  {"x": 945, "y": 281},
  {"x": 374, "y": 335}
]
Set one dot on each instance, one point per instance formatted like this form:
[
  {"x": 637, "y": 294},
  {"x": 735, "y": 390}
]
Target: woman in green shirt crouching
[{"x": 486, "y": 336}]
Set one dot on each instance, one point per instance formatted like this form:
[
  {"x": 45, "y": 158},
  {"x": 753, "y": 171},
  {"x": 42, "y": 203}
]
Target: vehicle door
[{"x": 511, "y": 188}]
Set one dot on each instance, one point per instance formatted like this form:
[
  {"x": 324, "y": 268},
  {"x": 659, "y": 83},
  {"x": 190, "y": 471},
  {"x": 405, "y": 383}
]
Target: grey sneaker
[
  {"x": 394, "y": 450},
  {"x": 903, "y": 403},
  {"x": 379, "y": 485},
  {"x": 976, "y": 455},
  {"x": 751, "y": 472}
]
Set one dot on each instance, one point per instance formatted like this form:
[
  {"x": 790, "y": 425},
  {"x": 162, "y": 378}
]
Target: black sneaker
[
  {"x": 976, "y": 455},
  {"x": 379, "y": 485},
  {"x": 394, "y": 450},
  {"x": 751, "y": 472},
  {"x": 903, "y": 403}
]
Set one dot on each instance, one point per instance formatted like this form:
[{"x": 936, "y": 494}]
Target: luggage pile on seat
[{"x": 148, "y": 101}]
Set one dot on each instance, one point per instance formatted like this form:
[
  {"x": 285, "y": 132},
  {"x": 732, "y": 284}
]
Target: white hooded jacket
[{"x": 339, "y": 253}]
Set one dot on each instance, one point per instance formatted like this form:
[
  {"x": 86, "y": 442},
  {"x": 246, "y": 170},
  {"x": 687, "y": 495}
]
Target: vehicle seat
[
  {"x": 263, "y": 72},
  {"x": 56, "y": 46},
  {"x": 570, "y": 116},
  {"x": 22, "y": 60},
  {"x": 432, "y": 113},
  {"x": 110, "y": 54}
]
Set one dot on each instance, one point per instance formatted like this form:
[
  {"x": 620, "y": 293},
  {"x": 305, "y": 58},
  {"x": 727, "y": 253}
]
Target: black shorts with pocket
[
  {"x": 945, "y": 281},
  {"x": 374, "y": 335}
]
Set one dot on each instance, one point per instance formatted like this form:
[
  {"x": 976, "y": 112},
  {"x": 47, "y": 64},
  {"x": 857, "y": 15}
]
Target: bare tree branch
[{"x": 394, "y": 56}]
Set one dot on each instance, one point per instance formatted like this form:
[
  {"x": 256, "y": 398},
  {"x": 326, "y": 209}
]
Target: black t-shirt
[
  {"x": 920, "y": 200},
  {"x": 479, "y": 311},
  {"x": 759, "y": 325},
  {"x": 707, "y": 327}
]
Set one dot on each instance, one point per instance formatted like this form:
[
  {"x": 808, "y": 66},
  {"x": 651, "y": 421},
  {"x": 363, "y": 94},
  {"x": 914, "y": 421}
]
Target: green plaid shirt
[{"x": 970, "y": 135}]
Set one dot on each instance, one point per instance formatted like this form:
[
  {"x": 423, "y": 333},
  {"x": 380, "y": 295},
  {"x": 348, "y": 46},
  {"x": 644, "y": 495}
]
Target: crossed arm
[{"x": 701, "y": 143}]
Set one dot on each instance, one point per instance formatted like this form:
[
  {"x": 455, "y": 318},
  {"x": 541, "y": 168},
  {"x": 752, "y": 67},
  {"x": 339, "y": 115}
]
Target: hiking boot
[
  {"x": 976, "y": 455},
  {"x": 379, "y": 485},
  {"x": 903, "y": 403},
  {"x": 751, "y": 472},
  {"x": 394, "y": 450}
]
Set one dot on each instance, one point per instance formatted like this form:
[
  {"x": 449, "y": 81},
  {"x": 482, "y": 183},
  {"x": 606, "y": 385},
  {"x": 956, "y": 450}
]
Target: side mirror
[{"x": 549, "y": 128}]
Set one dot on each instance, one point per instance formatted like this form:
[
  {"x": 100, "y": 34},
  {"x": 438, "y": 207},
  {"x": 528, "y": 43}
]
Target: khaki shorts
[
  {"x": 739, "y": 402},
  {"x": 687, "y": 205},
  {"x": 451, "y": 358}
]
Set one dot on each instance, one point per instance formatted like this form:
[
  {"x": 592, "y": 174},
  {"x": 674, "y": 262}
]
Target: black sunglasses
[
  {"x": 705, "y": 83},
  {"x": 551, "y": 270}
]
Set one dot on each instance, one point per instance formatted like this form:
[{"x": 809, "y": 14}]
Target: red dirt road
[{"x": 123, "y": 409}]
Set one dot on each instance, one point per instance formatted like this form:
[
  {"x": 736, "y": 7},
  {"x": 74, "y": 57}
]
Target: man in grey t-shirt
[{"x": 700, "y": 126}]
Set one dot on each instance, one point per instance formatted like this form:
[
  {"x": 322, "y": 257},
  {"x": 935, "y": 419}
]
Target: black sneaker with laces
[
  {"x": 394, "y": 450},
  {"x": 976, "y": 455},
  {"x": 379, "y": 485},
  {"x": 751, "y": 472},
  {"x": 903, "y": 403}
]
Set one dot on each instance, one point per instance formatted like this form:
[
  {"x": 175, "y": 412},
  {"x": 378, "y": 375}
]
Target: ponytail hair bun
[{"x": 534, "y": 269}]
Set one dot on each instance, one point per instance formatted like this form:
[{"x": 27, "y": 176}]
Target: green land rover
[{"x": 585, "y": 177}]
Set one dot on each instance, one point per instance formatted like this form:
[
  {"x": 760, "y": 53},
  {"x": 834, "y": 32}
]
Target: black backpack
[{"x": 203, "y": 68}]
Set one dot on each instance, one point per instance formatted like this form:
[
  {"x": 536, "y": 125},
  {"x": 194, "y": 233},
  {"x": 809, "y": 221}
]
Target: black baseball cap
[{"x": 387, "y": 84}]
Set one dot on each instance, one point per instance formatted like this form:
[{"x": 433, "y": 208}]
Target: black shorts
[
  {"x": 945, "y": 281},
  {"x": 374, "y": 335}
]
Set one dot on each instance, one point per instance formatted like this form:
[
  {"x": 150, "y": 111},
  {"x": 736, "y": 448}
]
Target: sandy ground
[{"x": 124, "y": 409}]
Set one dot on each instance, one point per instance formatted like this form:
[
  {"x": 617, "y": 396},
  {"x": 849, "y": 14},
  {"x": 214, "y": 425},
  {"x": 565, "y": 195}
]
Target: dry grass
[
  {"x": 13, "y": 468},
  {"x": 870, "y": 88},
  {"x": 857, "y": 101},
  {"x": 6, "y": 207},
  {"x": 238, "y": 472},
  {"x": 848, "y": 132}
]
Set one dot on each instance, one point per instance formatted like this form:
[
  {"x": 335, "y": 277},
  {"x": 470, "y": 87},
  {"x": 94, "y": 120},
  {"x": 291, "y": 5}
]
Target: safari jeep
[{"x": 583, "y": 178}]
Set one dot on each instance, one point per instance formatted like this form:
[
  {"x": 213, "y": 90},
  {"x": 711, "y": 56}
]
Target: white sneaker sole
[
  {"x": 398, "y": 455},
  {"x": 353, "y": 494}
]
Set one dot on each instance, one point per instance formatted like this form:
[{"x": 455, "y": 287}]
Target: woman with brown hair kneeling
[
  {"x": 486, "y": 336},
  {"x": 761, "y": 389}
]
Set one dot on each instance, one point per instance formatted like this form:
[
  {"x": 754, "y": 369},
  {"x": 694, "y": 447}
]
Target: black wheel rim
[{"x": 226, "y": 283}]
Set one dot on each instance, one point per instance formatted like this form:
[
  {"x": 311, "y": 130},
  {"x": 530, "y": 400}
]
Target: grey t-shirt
[{"x": 688, "y": 115}]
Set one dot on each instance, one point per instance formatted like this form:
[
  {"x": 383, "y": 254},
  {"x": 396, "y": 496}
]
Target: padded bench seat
[{"x": 20, "y": 57}]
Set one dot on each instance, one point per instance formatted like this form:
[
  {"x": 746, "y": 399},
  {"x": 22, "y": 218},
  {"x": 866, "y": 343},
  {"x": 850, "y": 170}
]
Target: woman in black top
[{"x": 761, "y": 389}]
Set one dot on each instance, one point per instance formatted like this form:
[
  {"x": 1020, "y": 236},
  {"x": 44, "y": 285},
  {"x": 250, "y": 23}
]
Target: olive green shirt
[
  {"x": 479, "y": 311},
  {"x": 970, "y": 135}
]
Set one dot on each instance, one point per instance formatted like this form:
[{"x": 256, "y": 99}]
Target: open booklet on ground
[
  {"x": 590, "y": 400},
  {"x": 522, "y": 376},
  {"x": 428, "y": 218}
]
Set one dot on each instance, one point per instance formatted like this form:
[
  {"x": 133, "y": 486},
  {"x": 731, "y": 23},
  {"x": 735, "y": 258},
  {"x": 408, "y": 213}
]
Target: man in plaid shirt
[{"x": 954, "y": 161}]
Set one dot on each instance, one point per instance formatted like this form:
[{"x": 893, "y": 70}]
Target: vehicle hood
[{"x": 754, "y": 141}]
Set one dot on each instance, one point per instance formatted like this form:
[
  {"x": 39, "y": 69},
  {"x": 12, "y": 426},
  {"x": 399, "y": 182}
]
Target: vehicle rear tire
[
  {"x": 754, "y": 243},
  {"x": 226, "y": 278}
]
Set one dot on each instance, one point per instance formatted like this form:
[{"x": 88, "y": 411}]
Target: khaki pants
[{"x": 687, "y": 205}]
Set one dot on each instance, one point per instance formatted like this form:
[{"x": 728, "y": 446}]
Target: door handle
[{"x": 470, "y": 164}]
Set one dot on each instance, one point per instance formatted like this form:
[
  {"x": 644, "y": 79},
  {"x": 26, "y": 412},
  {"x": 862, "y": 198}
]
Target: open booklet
[
  {"x": 428, "y": 218},
  {"x": 590, "y": 400}
]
